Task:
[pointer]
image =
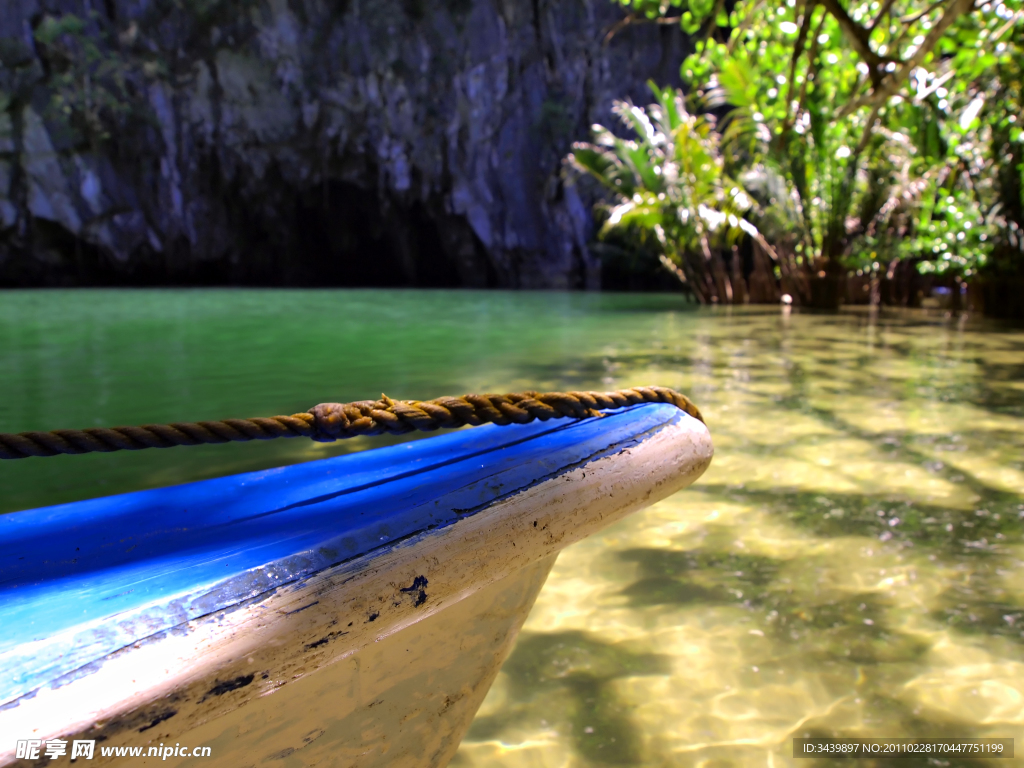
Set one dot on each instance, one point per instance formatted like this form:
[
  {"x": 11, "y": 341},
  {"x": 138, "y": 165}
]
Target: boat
[{"x": 350, "y": 611}]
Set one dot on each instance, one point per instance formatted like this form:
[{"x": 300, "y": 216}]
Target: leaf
[
  {"x": 738, "y": 81},
  {"x": 969, "y": 115},
  {"x": 701, "y": 8},
  {"x": 602, "y": 165},
  {"x": 636, "y": 118}
]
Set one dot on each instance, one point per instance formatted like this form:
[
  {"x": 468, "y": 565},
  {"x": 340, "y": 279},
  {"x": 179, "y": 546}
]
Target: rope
[{"x": 328, "y": 422}]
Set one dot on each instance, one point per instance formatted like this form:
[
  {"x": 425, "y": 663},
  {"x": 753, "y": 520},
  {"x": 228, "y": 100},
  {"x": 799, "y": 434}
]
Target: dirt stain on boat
[
  {"x": 167, "y": 714},
  {"x": 220, "y": 688},
  {"x": 418, "y": 590}
]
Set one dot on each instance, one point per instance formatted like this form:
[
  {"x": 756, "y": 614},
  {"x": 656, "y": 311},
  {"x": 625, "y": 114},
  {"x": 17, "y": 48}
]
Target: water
[{"x": 850, "y": 565}]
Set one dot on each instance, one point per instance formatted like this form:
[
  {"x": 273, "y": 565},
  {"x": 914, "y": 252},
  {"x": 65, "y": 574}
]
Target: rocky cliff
[{"x": 307, "y": 142}]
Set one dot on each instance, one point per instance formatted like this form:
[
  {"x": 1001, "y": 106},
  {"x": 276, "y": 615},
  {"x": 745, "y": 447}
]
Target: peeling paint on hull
[{"x": 419, "y": 623}]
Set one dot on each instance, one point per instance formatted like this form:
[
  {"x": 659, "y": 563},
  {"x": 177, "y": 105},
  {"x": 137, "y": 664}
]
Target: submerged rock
[{"x": 303, "y": 142}]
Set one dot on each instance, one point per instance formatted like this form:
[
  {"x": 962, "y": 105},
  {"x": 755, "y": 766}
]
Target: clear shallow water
[{"x": 850, "y": 564}]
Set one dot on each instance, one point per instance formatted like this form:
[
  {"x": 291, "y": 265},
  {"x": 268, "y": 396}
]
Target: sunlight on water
[{"x": 850, "y": 565}]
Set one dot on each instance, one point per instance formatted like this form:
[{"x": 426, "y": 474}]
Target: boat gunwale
[{"x": 72, "y": 649}]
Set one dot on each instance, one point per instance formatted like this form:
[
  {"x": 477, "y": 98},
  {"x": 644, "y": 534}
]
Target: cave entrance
[{"x": 346, "y": 236}]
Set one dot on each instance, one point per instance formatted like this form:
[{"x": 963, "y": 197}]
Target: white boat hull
[
  {"x": 404, "y": 701},
  {"x": 382, "y": 660}
]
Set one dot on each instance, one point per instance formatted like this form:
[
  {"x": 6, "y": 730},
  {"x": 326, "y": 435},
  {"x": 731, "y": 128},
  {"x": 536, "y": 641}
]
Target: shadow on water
[
  {"x": 980, "y": 605},
  {"x": 828, "y": 625},
  {"x": 671, "y": 577},
  {"x": 568, "y": 677},
  {"x": 947, "y": 533}
]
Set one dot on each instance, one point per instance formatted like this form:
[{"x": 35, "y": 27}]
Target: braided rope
[{"x": 328, "y": 422}]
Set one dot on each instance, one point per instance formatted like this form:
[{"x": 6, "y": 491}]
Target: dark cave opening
[
  {"x": 332, "y": 235},
  {"x": 344, "y": 235}
]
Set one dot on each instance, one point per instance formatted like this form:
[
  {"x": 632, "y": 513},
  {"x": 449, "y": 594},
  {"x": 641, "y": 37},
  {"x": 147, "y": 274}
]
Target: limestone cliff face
[{"x": 297, "y": 142}]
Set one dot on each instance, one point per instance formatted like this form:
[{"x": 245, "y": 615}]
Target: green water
[{"x": 850, "y": 564}]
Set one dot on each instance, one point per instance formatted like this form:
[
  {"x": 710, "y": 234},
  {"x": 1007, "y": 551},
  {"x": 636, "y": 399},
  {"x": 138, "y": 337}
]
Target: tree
[
  {"x": 878, "y": 118},
  {"x": 670, "y": 183}
]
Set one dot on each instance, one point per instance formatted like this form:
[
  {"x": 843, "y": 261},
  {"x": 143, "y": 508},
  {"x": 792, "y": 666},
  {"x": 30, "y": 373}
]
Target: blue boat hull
[{"x": 146, "y": 618}]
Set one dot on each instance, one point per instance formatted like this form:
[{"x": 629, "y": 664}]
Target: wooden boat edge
[{"x": 226, "y": 660}]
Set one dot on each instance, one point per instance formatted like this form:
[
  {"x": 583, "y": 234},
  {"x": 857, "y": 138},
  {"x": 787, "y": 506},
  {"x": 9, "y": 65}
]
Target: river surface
[{"x": 850, "y": 565}]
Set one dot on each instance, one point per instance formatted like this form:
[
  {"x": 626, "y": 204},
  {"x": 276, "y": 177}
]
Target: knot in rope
[{"x": 328, "y": 422}]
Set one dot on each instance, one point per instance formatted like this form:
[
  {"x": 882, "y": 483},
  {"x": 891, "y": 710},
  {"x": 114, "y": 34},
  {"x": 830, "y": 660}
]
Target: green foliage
[
  {"x": 668, "y": 181},
  {"x": 870, "y": 131},
  {"x": 951, "y": 233},
  {"x": 816, "y": 158}
]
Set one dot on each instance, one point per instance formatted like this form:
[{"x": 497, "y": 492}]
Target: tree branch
[
  {"x": 966, "y": 168},
  {"x": 858, "y": 37},
  {"x": 869, "y": 127},
  {"x": 633, "y": 18},
  {"x": 712, "y": 21},
  {"x": 922, "y": 14},
  {"x": 891, "y": 84},
  {"x": 936, "y": 84},
  {"x": 811, "y": 71},
  {"x": 909, "y": 25},
  {"x": 881, "y": 12},
  {"x": 798, "y": 49},
  {"x": 748, "y": 19}
]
